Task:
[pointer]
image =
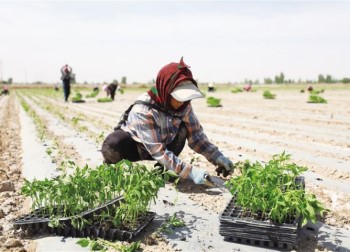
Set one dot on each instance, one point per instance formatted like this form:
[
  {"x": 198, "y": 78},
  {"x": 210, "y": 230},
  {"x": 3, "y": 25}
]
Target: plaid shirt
[{"x": 156, "y": 129}]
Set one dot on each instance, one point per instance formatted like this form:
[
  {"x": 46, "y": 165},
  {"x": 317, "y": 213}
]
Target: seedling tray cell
[{"x": 38, "y": 221}]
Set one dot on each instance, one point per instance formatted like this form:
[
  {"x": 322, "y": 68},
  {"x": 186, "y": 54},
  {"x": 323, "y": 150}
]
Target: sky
[{"x": 222, "y": 41}]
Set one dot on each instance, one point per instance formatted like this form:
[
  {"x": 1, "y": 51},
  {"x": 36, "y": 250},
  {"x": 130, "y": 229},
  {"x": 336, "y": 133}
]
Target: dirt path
[{"x": 12, "y": 204}]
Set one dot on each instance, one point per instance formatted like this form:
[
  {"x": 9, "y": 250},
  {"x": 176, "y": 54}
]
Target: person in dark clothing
[
  {"x": 112, "y": 88},
  {"x": 66, "y": 77},
  {"x": 5, "y": 90}
]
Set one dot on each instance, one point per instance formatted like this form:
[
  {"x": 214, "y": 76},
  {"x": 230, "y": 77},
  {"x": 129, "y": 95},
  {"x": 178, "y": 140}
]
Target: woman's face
[{"x": 175, "y": 104}]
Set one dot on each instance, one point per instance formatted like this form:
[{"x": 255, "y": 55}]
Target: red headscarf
[{"x": 169, "y": 77}]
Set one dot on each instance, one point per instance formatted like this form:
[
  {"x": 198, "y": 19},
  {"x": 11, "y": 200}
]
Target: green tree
[
  {"x": 346, "y": 80},
  {"x": 329, "y": 78},
  {"x": 321, "y": 79},
  {"x": 123, "y": 80},
  {"x": 279, "y": 79},
  {"x": 268, "y": 80}
]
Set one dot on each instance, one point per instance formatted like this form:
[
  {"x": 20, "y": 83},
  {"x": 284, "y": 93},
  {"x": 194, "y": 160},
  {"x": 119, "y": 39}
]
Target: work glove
[
  {"x": 225, "y": 166},
  {"x": 198, "y": 175}
]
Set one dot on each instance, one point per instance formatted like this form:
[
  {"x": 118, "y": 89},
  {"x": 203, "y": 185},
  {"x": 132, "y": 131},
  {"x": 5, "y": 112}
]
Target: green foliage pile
[
  {"x": 268, "y": 95},
  {"x": 316, "y": 99},
  {"x": 77, "y": 97},
  {"x": 213, "y": 102},
  {"x": 93, "y": 94},
  {"x": 103, "y": 245},
  {"x": 236, "y": 90},
  {"x": 316, "y": 92},
  {"x": 105, "y": 99},
  {"x": 171, "y": 223},
  {"x": 271, "y": 191},
  {"x": 87, "y": 188}
]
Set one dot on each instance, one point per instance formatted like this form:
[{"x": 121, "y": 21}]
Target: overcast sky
[{"x": 222, "y": 41}]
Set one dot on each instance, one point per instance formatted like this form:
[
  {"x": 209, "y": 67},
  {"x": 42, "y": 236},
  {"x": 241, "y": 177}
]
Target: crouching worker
[{"x": 157, "y": 125}]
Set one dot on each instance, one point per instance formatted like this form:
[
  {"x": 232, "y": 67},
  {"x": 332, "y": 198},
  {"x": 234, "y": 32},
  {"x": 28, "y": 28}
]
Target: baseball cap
[{"x": 186, "y": 91}]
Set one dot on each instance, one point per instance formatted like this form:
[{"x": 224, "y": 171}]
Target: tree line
[{"x": 280, "y": 79}]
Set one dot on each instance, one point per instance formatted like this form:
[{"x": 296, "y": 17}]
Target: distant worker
[
  {"x": 211, "y": 87},
  {"x": 310, "y": 88},
  {"x": 67, "y": 75},
  {"x": 112, "y": 88},
  {"x": 5, "y": 90},
  {"x": 248, "y": 87}
]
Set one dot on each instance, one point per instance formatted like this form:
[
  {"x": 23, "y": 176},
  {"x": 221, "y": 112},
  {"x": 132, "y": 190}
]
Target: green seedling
[
  {"x": 75, "y": 120},
  {"x": 236, "y": 90},
  {"x": 316, "y": 92},
  {"x": 93, "y": 94},
  {"x": 104, "y": 245},
  {"x": 49, "y": 151},
  {"x": 270, "y": 191},
  {"x": 268, "y": 95},
  {"x": 105, "y": 99},
  {"x": 87, "y": 188},
  {"x": 171, "y": 223},
  {"x": 101, "y": 135},
  {"x": 77, "y": 97}
]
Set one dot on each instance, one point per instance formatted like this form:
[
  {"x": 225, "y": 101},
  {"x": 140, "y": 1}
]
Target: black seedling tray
[
  {"x": 41, "y": 215},
  {"x": 38, "y": 222},
  {"x": 240, "y": 226}
]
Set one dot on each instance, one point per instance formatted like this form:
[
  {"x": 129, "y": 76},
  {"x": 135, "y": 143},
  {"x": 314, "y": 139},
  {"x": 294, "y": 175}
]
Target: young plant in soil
[
  {"x": 236, "y": 90},
  {"x": 105, "y": 99},
  {"x": 270, "y": 192},
  {"x": 171, "y": 223},
  {"x": 268, "y": 95},
  {"x": 103, "y": 245},
  {"x": 316, "y": 92},
  {"x": 93, "y": 94},
  {"x": 77, "y": 97}
]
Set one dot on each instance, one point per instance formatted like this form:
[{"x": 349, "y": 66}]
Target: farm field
[{"x": 41, "y": 134}]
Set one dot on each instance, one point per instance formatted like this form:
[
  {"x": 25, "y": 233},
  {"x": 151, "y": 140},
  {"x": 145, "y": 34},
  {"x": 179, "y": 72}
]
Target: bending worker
[{"x": 157, "y": 125}]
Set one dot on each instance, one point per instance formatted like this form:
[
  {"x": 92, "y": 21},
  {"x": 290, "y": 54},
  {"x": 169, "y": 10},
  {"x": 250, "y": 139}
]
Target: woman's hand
[
  {"x": 198, "y": 175},
  {"x": 225, "y": 163}
]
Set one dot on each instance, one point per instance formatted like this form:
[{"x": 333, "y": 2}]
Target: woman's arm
[{"x": 198, "y": 140}]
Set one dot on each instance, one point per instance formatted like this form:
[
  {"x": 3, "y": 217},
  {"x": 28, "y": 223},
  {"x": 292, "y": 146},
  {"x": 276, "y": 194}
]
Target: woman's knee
[
  {"x": 110, "y": 150},
  {"x": 119, "y": 145}
]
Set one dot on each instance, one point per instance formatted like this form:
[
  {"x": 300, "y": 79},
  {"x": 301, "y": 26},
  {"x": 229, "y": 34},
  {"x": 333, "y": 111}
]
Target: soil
[{"x": 245, "y": 127}]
